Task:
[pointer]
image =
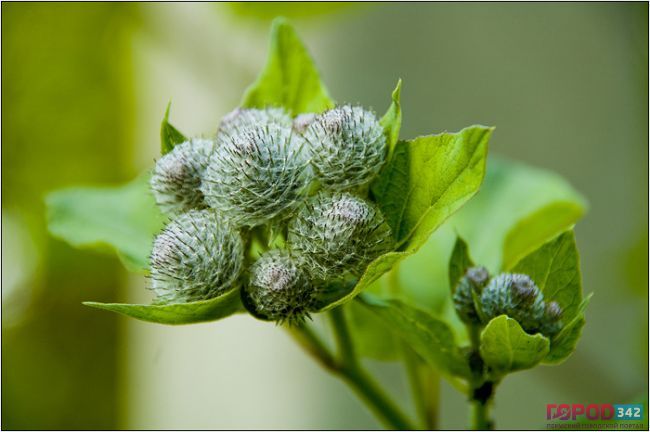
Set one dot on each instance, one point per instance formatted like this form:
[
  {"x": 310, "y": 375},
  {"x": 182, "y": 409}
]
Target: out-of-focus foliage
[
  {"x": 270, "y": 10},
  {"x": 125, "y": 218},
  {"x": 431, "y": 338}
]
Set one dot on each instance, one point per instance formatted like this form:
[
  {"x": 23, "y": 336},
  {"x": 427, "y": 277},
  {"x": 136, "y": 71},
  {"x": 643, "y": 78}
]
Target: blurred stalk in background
[{"x": 66, "y": 110}]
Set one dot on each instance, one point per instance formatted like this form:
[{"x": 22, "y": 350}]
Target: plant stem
[
  {"x": 481, "y": 388},
  {"x": 481, "y": 400},
  {"x": 311, "y": 343},
  {"x": 343, "y": 337},
  {"x": 370, "y": 392},
  {"x": 474, "y": 337},
  {"x": 348, "y": 368},
  {"x": 432, "y": 381},
  {"x": 359, "y": 379},
  {"x": 480, "y": 420},
  {"x": 411, "y": 362},
  {"x": 425, "y": 388}
]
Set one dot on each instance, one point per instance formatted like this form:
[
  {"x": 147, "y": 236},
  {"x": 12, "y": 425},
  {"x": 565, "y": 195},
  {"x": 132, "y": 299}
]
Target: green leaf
[
  {"x": 289, "y": 78},
  {"x": 428, "y": 179},
  {"x": 182, "y": 313},
  {"x": 169, "y": 135},
  {"x": 512, "y": 192},
  {"x": 372, "y": 337},
  {"x": 124, "y": 219},
  {"x": 564, "y": 343},
  {"x": 505, "y": 347},
  {"x": 429, "y": 337},
  {"x": 392, "y": 120},
  {"x": 374, "y": 271},
  {"x": 538, "y": 228},
  {"x": 459, "y": 262},
  {"x": 555, "y": 268}
]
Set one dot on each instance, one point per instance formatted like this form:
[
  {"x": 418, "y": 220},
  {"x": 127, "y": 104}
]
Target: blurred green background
[{"x": 84, "y": 90}]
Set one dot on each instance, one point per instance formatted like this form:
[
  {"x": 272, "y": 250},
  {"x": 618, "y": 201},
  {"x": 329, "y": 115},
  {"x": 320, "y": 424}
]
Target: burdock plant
[{"x": 298, "y": 207}]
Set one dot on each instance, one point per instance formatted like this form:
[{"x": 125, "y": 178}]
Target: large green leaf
[
  {"x": 428, "y": 179},
  {"x": 182, "y": 313},
  {"x": 289, "y": 78},
  {"x": 429, "y": 337},
  {"x": 505, "y": 347},
  {"x": 169, "y": 135},
  {"x": 124, "y": 219}
]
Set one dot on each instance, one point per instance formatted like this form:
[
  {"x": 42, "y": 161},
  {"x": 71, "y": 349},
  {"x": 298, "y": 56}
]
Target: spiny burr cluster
[
  {"x": 278, "y": 287},
  {"x": 338, "y": 232},
  {"x": 257, "y": 174},
  {"x": 240, "y": 120},
  {"x": 196, "y": 257},
  {"x": 176, "y": 178},
  {"x": 263, "y": 169},
  {"x": 347, "y": 147},
  {"x": 477, "y": 299},
  {"x": 473, "y": 282}
]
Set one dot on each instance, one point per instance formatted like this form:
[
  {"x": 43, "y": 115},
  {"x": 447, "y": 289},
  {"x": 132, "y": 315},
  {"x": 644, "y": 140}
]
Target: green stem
[
  {"x": 311, "y": 343},
  {"x": 432, "y": 380},
  {"x": 365, "y": 386},
  {"x": 376, "y": 399},
  {"x": 348, "y": 368},
  {"x": 343, "y": 337},
  {"x": 480, "y": 416},
  {"x": 412, "y": 364},
  {"x": 481, "y": 388},
  {"x": 474, "y": 337},
  {"x": 425, "y": 388}
]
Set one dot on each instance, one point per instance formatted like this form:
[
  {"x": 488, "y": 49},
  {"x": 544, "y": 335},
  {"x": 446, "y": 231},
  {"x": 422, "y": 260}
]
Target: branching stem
[{"x": 347, "y": 367}]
